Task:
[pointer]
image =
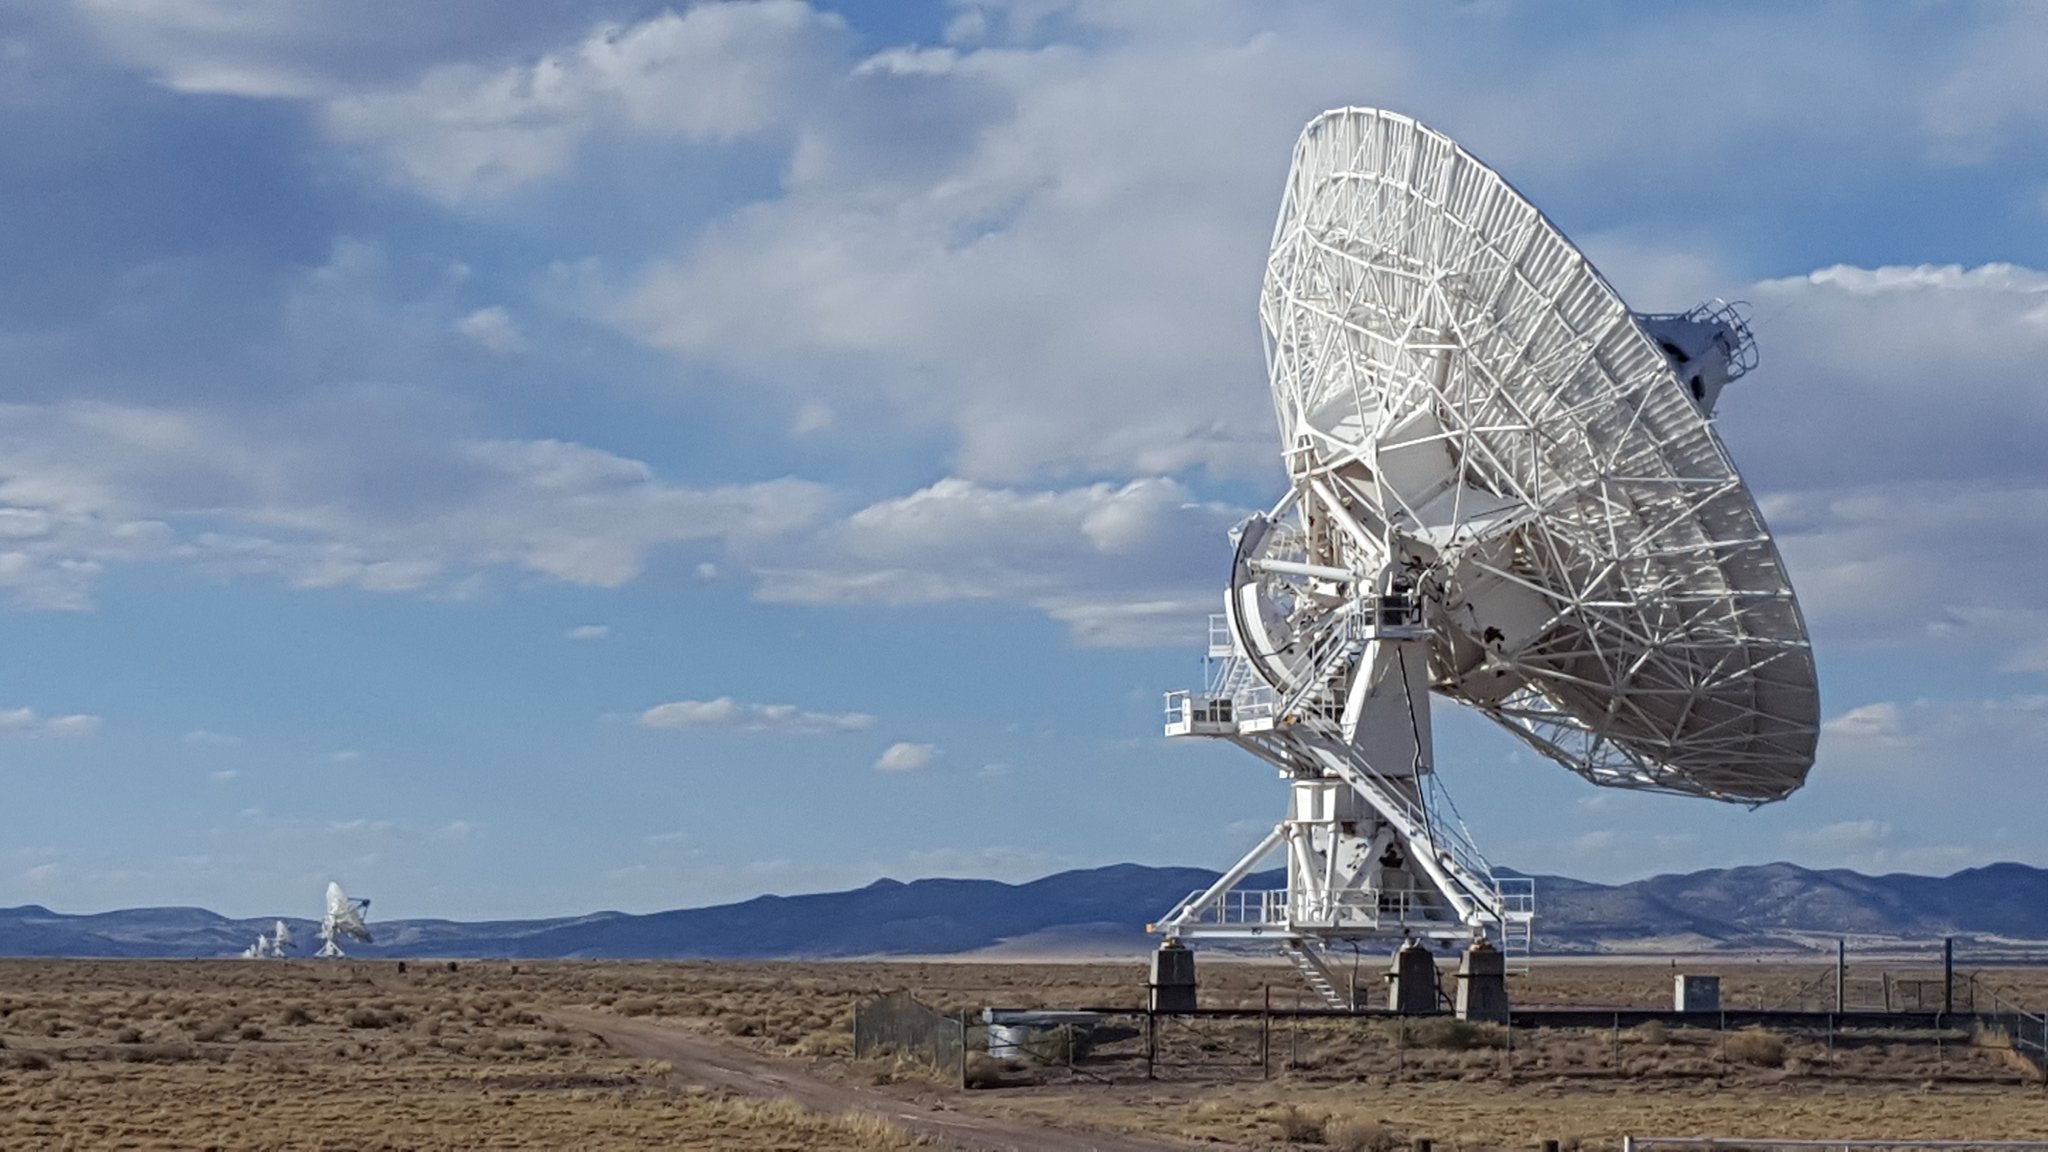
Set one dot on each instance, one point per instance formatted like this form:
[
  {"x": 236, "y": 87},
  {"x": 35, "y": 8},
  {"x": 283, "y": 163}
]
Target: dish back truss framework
[{"x": 1504, "y": 488}]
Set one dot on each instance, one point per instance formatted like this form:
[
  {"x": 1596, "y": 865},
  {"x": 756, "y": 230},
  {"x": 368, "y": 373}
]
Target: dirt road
[{"x": 701, "y": 1059}]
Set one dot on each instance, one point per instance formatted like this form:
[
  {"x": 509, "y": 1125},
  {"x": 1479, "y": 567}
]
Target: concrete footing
[
  {"x": 1483, "y": 984},
  {"x": 1172, "y": 985},
  {"x": 1412, "y": 980}
]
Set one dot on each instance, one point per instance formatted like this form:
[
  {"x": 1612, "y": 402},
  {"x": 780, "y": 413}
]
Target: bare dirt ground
[
  {"x": 230, "y": 1054},
  {"x": 699, "y": 1059}
]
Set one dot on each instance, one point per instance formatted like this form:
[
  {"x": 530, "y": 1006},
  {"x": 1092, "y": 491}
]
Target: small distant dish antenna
[
  {"x": 343, "y": 920},
  {"x": 1505, "y": 489},
  {"x": 276, "y": 946}
]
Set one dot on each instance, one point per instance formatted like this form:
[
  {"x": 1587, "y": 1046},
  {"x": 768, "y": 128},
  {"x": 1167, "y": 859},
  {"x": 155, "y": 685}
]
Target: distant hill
[{"x": 1105, "y": 909}]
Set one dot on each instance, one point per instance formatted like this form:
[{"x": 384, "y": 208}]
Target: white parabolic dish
[{"x": 1462, "y": 394}]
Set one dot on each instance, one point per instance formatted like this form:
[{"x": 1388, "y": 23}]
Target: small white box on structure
[{"x": 1696, "y": 993}]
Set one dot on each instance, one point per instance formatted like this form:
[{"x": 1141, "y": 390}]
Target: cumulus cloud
[
  {"x": 1118, "y": 564},
  {"x": 1908, "y": 510},
  {"x": 91, "y": 483},
  {"x": 738, "y": 716},
  {"x": 588, "y": 632},
  {"x": 1968, "y": 747},
  {"x": 26, "y": 722},
  {"x": 1876, "y": 846},
  {"x": 716, "y": 72},
  {"x": 1878, "y": 721},
  {"x": 493, "y": 328},
  {"x": 906, "y": 757},
  {"x": 238, "y": 48}
]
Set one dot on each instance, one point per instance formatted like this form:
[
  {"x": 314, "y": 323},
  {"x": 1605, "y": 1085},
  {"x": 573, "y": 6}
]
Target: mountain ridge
[{"x": 1761, "y": 906}]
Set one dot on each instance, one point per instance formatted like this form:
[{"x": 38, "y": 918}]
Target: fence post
[
  {"x": 1948, "y": 974},
  {"x": 1266, "y": 1037},
  {"x": 1151, "y": 1042},
  {"x": 1841, "y": 974}
]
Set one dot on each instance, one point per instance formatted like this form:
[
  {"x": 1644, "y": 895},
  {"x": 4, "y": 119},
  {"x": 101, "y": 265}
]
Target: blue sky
[{"x": 528, "y": 458}]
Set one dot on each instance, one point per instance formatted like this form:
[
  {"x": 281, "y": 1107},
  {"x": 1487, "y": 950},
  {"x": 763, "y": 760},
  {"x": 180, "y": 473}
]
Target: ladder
[{"x": 1308, "y": 959}]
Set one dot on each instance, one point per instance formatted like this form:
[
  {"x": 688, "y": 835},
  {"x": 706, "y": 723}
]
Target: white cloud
[
  {"x": 301, "y": 499},
  {"x": 224, "y": 776},
  {"x": 25, "y": 722},
  {"x": 732, "y": 715},
  {"x": 1118, "y": 564},
  {"x": 1848, "y": 834},
  {"x": 1876, "y": 846},
  {"x": 906, "y": 757},
  {"x": 208, "y": 737},
  {"x": 1878, "y": 721},
  {"x": 716, "y": 72},
  {"x": 493, "y": 328},
  {"x": 811, "y": 417},
  {"x": 455, "y": 830},
  {"x": 345, "y": 756},
  {"x": 588, "y": 632},
  {"x": 1907, "y": 512},
  {"x": 1996, "y": 94},
  {"x": 262, "y": 50},
  {"x": 1981, "y": 747}
]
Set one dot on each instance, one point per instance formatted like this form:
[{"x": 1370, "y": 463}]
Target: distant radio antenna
[
  {"x": 344, "y": 919},
  {"x": 276, "y": 946}
]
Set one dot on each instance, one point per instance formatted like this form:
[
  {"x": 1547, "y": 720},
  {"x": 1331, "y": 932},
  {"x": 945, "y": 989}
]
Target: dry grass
[
  {"x": 191, "y": 1054},
  {"x": 163, "y": 1055}
]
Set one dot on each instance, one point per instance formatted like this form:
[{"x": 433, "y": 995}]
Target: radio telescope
[
  {"x": 1505, "y": 489},
  {"x": 275, "y": 946},
  {"x": 344, "y": 919}
]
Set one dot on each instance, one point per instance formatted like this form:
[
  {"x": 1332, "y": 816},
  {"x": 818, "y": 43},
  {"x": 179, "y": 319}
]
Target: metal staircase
[{"x": 1309, "y": 960}]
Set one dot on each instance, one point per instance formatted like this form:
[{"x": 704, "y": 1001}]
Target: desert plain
[{"x": 152, "y": 1054}]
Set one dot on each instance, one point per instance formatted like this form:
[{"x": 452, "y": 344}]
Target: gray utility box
[{"x": 1695, "y": 993}]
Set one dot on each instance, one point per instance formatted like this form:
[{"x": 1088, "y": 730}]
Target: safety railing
[
  {"x": 1221, "y": 643},
  {"x": 1272, "y": 908},
  {"x": 1239, "y": 907}
]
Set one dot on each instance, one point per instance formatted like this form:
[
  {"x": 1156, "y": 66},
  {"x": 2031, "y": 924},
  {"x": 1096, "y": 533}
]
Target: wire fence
[
  {"x": 1733, "y": 1144},
  {"x": 2000, "y": 1023},
  {"x": 902, "y": 1025}
]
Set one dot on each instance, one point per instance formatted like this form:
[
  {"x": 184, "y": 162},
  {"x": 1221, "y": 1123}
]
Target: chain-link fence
[
  {"x": 902, "y": 1025},
  {"x": 2003, "y": 1024},
  {"x": 1735, "y": 1144}
]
